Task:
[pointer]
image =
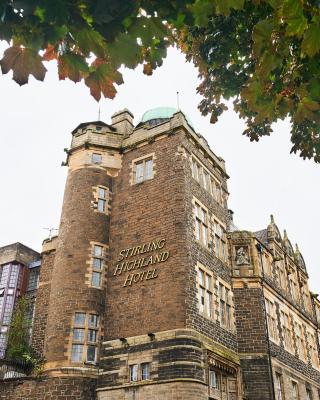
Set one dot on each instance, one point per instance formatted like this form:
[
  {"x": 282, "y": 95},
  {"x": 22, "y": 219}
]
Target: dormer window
[{"x": 98, "y": 128}]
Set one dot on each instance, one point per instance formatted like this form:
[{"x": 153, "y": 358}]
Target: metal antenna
[
  {"x": 178, "y": 105},
  {"x": 50, "y": 231},
  {"x": 99, "y": 112}
]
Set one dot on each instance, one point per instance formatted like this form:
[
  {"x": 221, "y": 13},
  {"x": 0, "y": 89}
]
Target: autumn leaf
[
  {"x": 147, "y": 69},
  {"x": 72, "y": 66},
  {"x": 50, "y": 53},
  {"x": 23, "y": 62},
  {"x": 101, "y": 79}
]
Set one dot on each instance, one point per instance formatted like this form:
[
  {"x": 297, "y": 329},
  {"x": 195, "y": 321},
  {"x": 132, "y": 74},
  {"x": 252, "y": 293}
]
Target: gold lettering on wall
[{"x": 127, "y": 265}]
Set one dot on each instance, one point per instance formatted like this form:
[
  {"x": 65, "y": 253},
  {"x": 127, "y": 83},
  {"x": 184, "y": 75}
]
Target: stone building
[{"x": 150, "y": 291}]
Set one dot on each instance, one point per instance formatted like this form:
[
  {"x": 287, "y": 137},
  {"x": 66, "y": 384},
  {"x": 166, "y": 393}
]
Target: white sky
[{"x": 37, "y": 119}]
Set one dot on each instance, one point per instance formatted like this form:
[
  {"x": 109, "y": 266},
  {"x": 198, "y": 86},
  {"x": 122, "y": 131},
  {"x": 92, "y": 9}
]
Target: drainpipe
[{"x": 259, "y": 249}]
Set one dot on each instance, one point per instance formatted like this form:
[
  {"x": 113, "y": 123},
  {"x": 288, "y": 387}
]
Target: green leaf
[
  {"x": 224, "y": 7},
  {"x": 23, "y": 62},
  {"x": 311, "y": 39},
  {"x": 294, "y": 17},
  {"x": 125, "y": 50},
  {"x": 261, "y": 36},
  {"x": 89, "y": 41},
  {"x": 201, "y": 11},
  {"x": 72, "y": 66},
  {"x": 147, "y": 29}
]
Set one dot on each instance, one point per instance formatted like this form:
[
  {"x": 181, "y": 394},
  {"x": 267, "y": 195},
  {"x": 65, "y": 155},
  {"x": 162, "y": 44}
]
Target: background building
[
  {"x": 19, "y": 275},
  {"x": 150, "y": 291}
]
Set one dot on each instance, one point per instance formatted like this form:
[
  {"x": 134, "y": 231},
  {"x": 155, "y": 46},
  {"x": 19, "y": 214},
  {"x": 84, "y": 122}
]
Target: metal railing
[{"x": 10, "y": 369}]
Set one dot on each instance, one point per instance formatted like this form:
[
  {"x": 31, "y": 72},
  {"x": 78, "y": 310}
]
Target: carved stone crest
[{"x": 242, "y": 255}]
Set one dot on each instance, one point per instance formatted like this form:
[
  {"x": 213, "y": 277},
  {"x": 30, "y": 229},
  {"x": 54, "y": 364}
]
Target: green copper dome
[{"x": 160, "y": 113}]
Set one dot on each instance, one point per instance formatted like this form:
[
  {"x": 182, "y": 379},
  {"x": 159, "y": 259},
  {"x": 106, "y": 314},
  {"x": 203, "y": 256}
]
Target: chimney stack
[{"x": 123, "y": 121}]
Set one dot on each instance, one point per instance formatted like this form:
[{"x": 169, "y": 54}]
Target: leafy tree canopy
[{"x": 264, "y": 54}]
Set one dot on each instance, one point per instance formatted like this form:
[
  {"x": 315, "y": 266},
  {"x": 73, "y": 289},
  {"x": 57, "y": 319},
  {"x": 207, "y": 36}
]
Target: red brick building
[{"x": 150, "y": 292}]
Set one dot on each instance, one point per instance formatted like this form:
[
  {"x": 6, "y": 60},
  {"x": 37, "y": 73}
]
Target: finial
[
  {"x": 99, "y": 112},
  {"x": 285, "y": 236},
  {"x": 297, "y": 248},
  {"x": 178, "y": 105},
  {"x": 271, "y": 219}
]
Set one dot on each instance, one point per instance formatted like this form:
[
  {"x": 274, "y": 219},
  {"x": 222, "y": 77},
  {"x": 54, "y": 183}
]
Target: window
[
  {"x": 271, "y": 319},
  {"x": 145, "y": 371},
  {"x": 33, "y": 279},
  {"x": 196, "y": 170},
  {"x": 279, "y": 389},
  {"x": 143, "y": 170},
  {"x": 300, "y": 341},
  {"x": 208, "y": 182},
  {"x": 76, "y": 353},
  {"x": 313, "y": 350},
  {"x": 305, "y": 298},
  {"x": 279, "y": 272},
  {"x": 309, "y": 394},
  {"x": 96, "y": 158},
  {"x": 85, "y": 337},
  {"x": 295, "y": 391},
  {"x": 214, "y": 380},
  {"x": 220, "y": 241},
  {"x": 140, "y": 372},
  {"x": 287, "y": 331},
  {"x": 205, "y": 289},
  {"x": 133, "y": 372},
  {"x": 102, "y": 199},
  {"x": 225, "y": 306},
  {"x": 201, "y": 218},
  {"x": 97, "y": 266}
]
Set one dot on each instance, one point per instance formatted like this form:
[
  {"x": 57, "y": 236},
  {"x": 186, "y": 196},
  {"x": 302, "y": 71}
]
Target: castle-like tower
[{"x": 150, "y": 291}]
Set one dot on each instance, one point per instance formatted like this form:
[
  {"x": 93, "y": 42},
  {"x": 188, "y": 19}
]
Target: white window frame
[
  {"x": 146, "y": 174},
  {"x": 205, "y": 288}
]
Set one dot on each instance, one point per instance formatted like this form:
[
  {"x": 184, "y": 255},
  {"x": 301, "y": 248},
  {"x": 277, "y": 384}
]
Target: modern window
[
  {"x": 96, "y": 158},
  {"x": 85, "y": 337},
  {"x": 279, "y": 388},
  {"x": 143, "y": 170},
  {"x": 33, "y": 281},
  {"x": 205, "y": 288},
  {"x": 272, "y": 319},
  {"x": 225, "y": 306},
  {"x": 201, "y": 221},
  {"x": 102, "y": 199},
  {"x": 97, "y": 266},
  {"x": 295, "y": 391}
]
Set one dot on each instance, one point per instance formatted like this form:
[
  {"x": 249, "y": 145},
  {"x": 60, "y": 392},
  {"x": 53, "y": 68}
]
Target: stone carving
[{"x": 242, "y": 256}]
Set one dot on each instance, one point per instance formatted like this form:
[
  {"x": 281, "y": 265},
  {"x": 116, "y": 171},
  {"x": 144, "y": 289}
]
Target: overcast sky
[{"x": 37, "y": 119}]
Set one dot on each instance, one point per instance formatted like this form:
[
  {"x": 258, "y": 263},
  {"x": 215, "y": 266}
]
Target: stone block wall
[
  {"x": 149, "y": 211},
  {"x": 64, "y": 388}
]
